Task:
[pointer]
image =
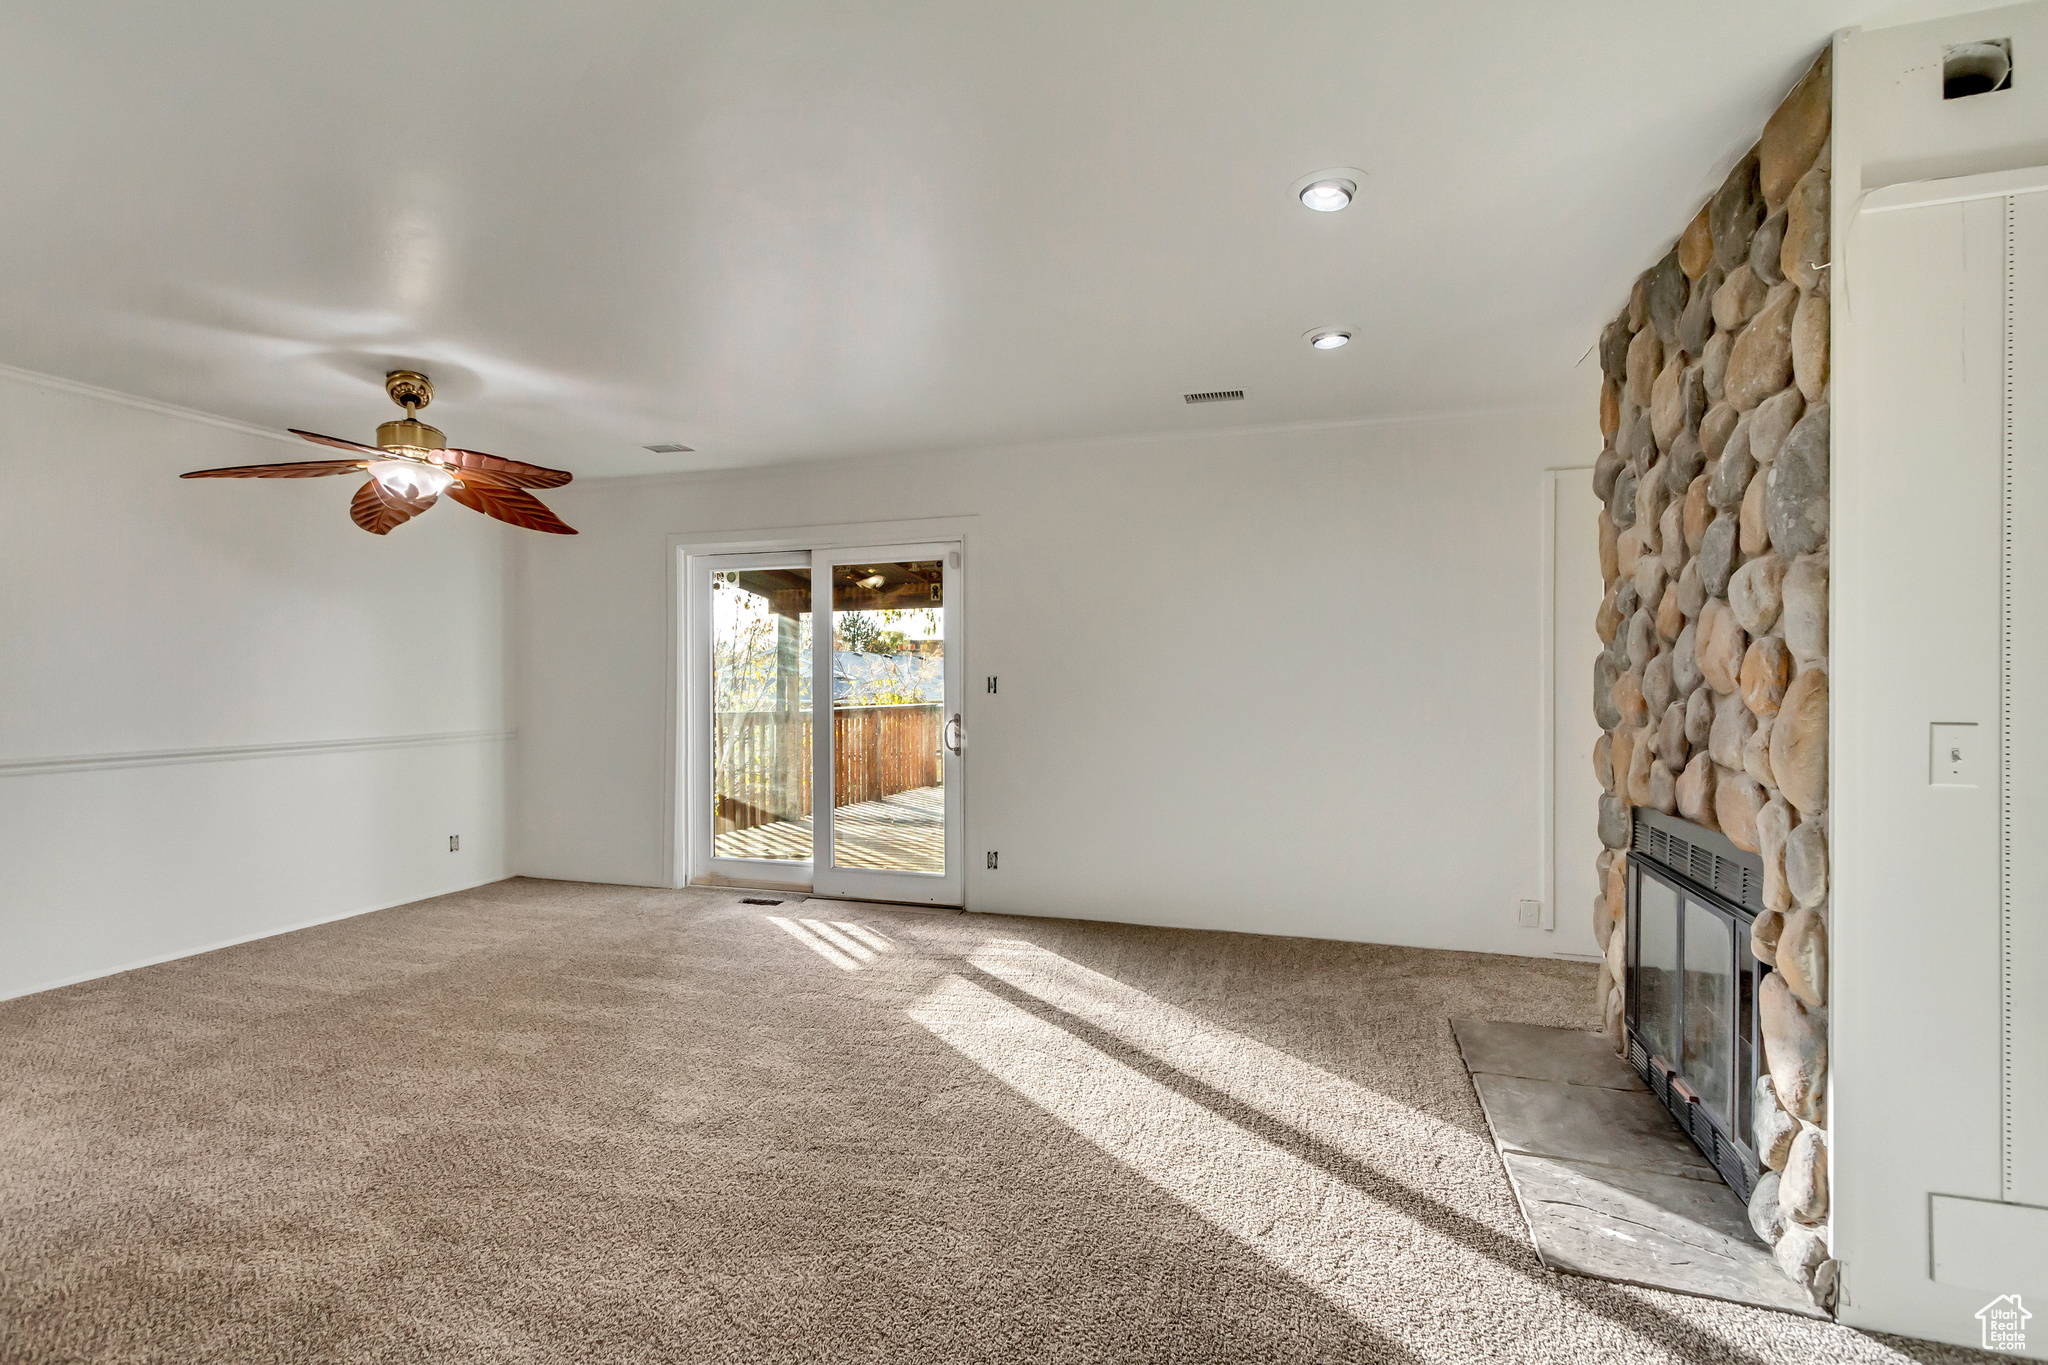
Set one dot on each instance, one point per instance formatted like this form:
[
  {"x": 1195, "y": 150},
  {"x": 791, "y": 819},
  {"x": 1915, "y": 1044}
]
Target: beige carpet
[{"x": 556, "y": 1122}]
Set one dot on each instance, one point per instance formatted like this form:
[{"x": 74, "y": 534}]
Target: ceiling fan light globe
[{"x": 410, "y": 479}]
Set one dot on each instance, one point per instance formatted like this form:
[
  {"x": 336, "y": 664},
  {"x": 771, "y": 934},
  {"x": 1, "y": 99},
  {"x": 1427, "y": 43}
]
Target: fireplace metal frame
[{"x": 1705, "y": 868}]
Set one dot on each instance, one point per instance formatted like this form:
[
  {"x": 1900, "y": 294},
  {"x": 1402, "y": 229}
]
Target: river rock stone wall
[{"x": 1712, "y": 690}]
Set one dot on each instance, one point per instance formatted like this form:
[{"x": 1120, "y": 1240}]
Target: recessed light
[
  {"x": 667, "y": 450},
  {"x": 1327, "y": 196},
  {"x": 1328, "y": 191},
  {"x": 1329, "y": 338}
]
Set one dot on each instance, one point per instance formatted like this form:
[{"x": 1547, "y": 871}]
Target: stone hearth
[{"x": 1609, "y": 1185}]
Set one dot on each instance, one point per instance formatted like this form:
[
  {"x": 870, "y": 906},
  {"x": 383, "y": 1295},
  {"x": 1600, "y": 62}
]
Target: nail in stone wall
[{"x": 1713, "y": 687}]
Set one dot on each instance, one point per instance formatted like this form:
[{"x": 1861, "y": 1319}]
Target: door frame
[{"x": 682, "y": 746}]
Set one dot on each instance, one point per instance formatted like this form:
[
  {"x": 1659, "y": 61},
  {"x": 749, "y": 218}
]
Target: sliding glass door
[
  {"x": 828, "y": 758},
  {"x": 887, "y": 708}
]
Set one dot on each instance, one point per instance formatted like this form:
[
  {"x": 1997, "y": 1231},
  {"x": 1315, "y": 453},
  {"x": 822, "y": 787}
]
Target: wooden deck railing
[
  {"x": 878, "y": 751},
  {"x": 762, "y": 759}
]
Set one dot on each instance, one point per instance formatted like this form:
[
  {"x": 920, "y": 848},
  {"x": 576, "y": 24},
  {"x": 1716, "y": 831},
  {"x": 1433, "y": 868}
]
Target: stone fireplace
[{"x": 1712, "y": 689}]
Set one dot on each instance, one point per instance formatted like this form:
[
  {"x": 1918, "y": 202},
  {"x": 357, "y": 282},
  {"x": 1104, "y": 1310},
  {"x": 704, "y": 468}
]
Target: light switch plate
[{"x": 1958, "y": 755}]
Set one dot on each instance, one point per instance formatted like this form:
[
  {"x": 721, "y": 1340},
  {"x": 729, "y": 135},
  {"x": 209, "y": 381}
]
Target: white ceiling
[{"x": 775, "y": 231}]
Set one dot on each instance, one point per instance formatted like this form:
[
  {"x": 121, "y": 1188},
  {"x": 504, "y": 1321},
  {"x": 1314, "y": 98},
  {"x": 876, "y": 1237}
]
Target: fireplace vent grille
[
  {"x": 1735, "y": 1167},
  {"x": 1735, "y": 880}
]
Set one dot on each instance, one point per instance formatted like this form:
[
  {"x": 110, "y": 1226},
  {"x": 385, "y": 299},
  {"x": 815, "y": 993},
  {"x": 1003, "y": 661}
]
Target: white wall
[
  {"x": 1575, "y": 790},
  {"x": 1286, "y": 683},
  {"x": 358, "y": 685},
  {"x": 1935, "y": 1090}
]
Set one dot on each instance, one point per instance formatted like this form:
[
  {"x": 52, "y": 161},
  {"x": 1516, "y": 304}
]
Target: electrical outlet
[
  {"x": 455, "y": 843},
  {"x": 1529, "y": 914},
  {"x": 991, "y": 682},
  {"x": 991, "y": 860}
]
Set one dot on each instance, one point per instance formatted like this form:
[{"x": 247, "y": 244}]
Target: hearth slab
[
  {"x": 1608, "y": 1183},
  {"x": 1666, "y": 1232},
  {"x": 1543, "y": 1054},
  {"x": 1626, "y": 1128}
]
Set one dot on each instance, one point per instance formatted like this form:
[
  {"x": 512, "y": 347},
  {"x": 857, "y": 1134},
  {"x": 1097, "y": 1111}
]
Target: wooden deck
[{"x": 901, "y": 833}]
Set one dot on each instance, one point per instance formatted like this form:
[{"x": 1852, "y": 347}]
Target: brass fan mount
[
  {"x": 409, "y": 436},
  {"x": 409, "y": 389}
]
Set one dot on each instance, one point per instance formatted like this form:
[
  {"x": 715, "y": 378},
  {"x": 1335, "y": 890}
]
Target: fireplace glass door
[
  {"x": 1708, "y": 1043},
  {"x": 1656, "y": 968},
  {"x": 1692, "y": 983},
  {"x": 1691, "y": 994}
]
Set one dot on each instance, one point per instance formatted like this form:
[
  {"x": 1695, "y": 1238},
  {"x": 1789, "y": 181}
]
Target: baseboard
[{"x": 247, "y": 938}]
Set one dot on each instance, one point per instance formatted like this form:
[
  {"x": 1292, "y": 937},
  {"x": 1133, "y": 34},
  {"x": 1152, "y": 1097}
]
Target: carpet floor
[{"x": 545, "y": 1121}]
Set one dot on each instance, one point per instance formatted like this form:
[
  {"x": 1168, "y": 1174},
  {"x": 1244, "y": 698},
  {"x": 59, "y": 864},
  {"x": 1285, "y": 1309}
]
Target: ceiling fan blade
[
  {"x": 317, "y": 439},
  {"x": 513, "y": 505},
  {"x": 297, "y": 469},
  {"x": 377, "y": 509},
  {"x": 517, "y": 473}
]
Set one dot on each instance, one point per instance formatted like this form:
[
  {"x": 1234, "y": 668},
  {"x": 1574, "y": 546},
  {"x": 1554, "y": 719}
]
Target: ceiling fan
[{"x": 411, "y": 466}]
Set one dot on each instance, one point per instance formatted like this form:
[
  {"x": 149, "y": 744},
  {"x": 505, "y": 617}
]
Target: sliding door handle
[{"x": 954, "y": 734}]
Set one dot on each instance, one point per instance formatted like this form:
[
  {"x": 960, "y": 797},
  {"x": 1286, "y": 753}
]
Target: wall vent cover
[
  {"x": 1215, "y": 396},
  {"x": 668, "y": 449}
]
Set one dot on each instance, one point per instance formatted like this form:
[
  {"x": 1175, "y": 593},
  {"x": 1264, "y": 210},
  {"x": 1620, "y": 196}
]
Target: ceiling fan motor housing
[{"x": 410, "y": 434}]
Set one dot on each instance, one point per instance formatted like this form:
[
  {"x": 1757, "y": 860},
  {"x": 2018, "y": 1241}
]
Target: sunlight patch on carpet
[
  {"x": 1300, "y": 1219},
  {"x": 1335, "y": 1112},
  {"x": 803, "y": 934}
]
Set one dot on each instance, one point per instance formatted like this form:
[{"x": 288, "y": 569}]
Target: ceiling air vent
[
  {"x": 667, "y": 450},
  {"x": 1215, "y": 396}
]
